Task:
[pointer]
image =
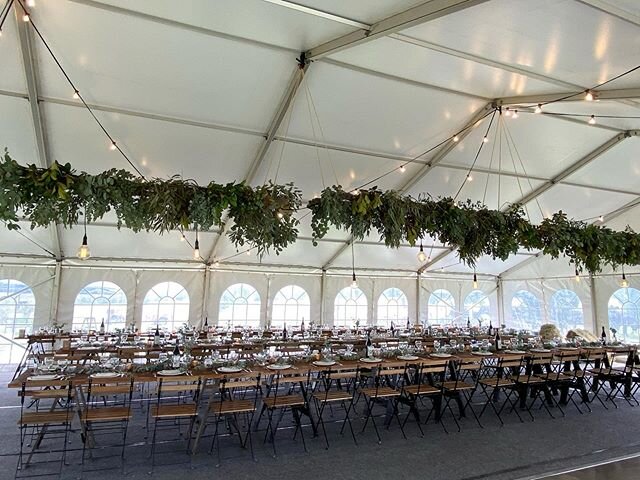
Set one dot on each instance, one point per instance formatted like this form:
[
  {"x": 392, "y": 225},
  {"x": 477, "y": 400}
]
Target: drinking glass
[{"x": 418, "y": 345}]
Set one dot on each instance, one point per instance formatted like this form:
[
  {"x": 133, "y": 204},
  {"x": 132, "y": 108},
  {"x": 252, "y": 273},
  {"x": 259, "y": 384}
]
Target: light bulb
[
  {"x": 0, "y": 32},
  {"x": 577, "y": 276},
  {"x": 196, "y": 251},
  {"x": 355, "y": 192},
  {"x": 76, "y": 95},
  {"x": 421, "y": 255},
  {"x": 538, "y": 109},
  {"x": 588, "y": 96},
  {"x": 248, "y": 252},
  {"x": 112, "y": 146},
  {"x": 402, "y": 169},
  {"x": 469, "y": 178},
  {"x": 354, "y": 283},
  {"x": 25, "y": 17},
  {"x": 280, "y": 215},
  {"x": 456, "y": 139},
  {"x": 31, "y": 3},
  {"x": 515, "y": 114},
  {"x": 485, "y": 139},
  {"x": 624, "y": 283},
  {"x": 592, "y": 120},
  {"x": 601, "y": 218},
  {"x": 216, "y": 264},
  {"x": 507, "y": 112},
  {"x": 182, "y": 238},
  {"x": 475, "y": 280},
  {"x": 83, "y": 251}
]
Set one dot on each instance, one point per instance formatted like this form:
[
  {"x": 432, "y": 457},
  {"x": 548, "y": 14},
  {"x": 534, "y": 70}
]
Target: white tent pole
[
  {"x": 205, "y": 296},
  {"x": 323, "y": 280},
  {"x": 55, "y": 292},
  {"x": 135, "y": 301},
  {"x": 500, "y": 298},
  {"x": 417, "y": 322},
  {"x": 594, "y": 306}
]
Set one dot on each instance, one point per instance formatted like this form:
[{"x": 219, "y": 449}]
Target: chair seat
[
  {"x": 457, "y": 386},
  {"x": 283, "y": 401},
  {"x": 106, "y": 414},
  {"x": 233, "y": 406},
  {"x": 556, "y": 377},
  {"x": 170, "y": 411},
  {"x": 498, "y": 382},
  {"x": 421, "y": 389},
  {"x": 43, "y": 418},
  {"x": 605, "y": 371},
  {"x": 380, "y": 392},
  {"x": 333, "y": 396}
]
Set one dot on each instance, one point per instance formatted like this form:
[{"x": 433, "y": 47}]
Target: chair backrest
[
  {"x": 287, "y": 378},
  {"x": 118, "y": 390},
  {"x": 427, "y": 370},
  {"x": 510, "y": 366},
  {"x": 178, "y": 388},
  {"x": 52, "y": 390}
]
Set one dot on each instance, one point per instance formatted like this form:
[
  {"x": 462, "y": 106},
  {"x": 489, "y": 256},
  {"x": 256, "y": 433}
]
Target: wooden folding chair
[
  {"x": 503, "y": 377},
  {"x": 428, "y": 372},
  {"x": 328, "y": 396}
]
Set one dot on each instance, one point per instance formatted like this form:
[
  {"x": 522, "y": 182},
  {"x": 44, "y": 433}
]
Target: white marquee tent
[{"x": 211, "y": 90}]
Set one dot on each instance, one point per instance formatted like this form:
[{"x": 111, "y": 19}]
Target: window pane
[
  {"x": 350, "y": 305},
  {"x": 624, "y": 314},
  {"x": 526, "y": 313},
  {"x": 566, "y": 310},
  {"x": 240, "y": 306},
  {"x": 165, "y": 305},
  {"x": 393, "y": 306},
  {"x": 477, "y": 308},
  {"x": 291, "y": 305},
  {"x": 441, "y": 307},
  {"x": 98, "y": 301},
  {"x": 16, "y": 311}
]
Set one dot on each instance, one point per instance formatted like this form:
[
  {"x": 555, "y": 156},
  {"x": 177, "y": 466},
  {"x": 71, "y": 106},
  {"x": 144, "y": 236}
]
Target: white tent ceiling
[{"x": 194, "y": 88}]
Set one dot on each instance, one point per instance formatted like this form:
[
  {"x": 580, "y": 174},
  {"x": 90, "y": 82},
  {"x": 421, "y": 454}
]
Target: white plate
[
  {"x": 568, "y": 348},
  {"x": 441, "y": 355},
  {"x": 482, "y": 354},
  {"x": 540, "y": 350},
  {"x": 408, "y": 358},
  {"x": 43, "y": 377},
  {"x": 515, "y": 352},
  {"x": 371, "y": 360},
  {"x": 171, "y": 372},
  {"x": 229, "y": 369},
  {"x": 324, "y": 363},
  {"x": 104, "y": 375},
  {"x": 278, "y": 367}
]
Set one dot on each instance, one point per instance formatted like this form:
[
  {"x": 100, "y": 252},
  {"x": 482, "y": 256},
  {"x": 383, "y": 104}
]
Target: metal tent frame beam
[
  {"x": 612, "y": 94},
  {"x": 420, "y": 14},
  {"x": 608, "y": 7},
  {"x": 30, "y": 63}
]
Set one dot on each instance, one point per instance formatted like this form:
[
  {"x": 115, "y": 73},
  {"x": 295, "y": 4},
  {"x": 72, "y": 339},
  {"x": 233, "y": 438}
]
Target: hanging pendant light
[
  {"x": 577, "y": 275},
  {"x": 624, "y": 283},
  {"x": 196, "y": 247},
  {"x": 422, "y": 257},
  {"x": 83, "y": 252},
  {"x": 354, "y": 282},
  {"x": 475, "y": 280}
]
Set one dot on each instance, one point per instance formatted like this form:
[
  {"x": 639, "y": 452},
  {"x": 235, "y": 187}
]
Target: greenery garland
[
  {"x": 471, "y": 228},
  {"x": 263, "y": 216}
]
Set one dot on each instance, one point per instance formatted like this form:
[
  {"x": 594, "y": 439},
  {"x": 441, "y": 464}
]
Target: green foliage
[
  {"x": 471, "y": 228},
  {"x": 263, "y": 217},
  {"x": 60, "y": 195}
]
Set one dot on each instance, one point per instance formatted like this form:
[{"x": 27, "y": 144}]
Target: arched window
[
  {"x": 17, "y": 309},
  {"x": 441, "y": 307},
  {"x": 100, "y": 301},
  {"x": 477, "y": 308},
  {"x": 393, "y": 306},
  {"x": 165, "y": 305},
  {"x": 349, "y": 306},
  {"x": 291, "y": 305},
  {"x": 240, "y": 306},
  {"x": 566, "y": 310},
  {"x": 624, "y": 314},
  {"x": 526, "y": 313}
]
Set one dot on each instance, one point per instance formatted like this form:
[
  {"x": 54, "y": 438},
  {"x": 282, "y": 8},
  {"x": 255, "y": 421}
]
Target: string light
[
  {"x": 113, "y": 146},
  {"x": 182, "y": 237},
  {"x": 601, "y": 218},
  {"x": 0, "y": 32},
  {"x": 422, "y": 257},
  {"x": 469, "y": 178},
  {"x": 538, "y": 109},
  {"x": 26, "y": 17},
  {"x": 248, "y": 252},
  {"x": 216, "y": 264},
  {"x": 592, "y": 120},
  {"x": 280, "y": 215},
  {"x": 588, "y": 96},
  {"x": 485, "y": 139},
  {"x": 507, "y": 112},
  {"x": 456, "y": 139},
  {"x": 475, "y": 280},
  {"x": 31, "y": 3},
  {"x": 402, "y": 169},
  {"x": 76, "y": 95},
  {"x": 515, "y": 114},
  {"x": 355, "y": 192}
]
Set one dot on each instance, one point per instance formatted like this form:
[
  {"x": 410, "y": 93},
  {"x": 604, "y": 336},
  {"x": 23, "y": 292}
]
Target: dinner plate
[
  {"x": 371, "y": 360},
  {"x": 277, "y": 366},
  {"x": 229, "y": 369},
  {"x": 540, "y": 350},
  {"x": 171, "y": 372},
  {"x": 43, "y": 377},
  {"x": 441, "y": 355},
  {"x": 568, "y": 348},
  {"x": 104, "y": 375},
  {"x": 482, "y": 354},
  {"x": 324, "y": 363},
  {"x": 515, "y": 352},
  {"x": 408, "y": 358}
]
